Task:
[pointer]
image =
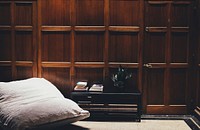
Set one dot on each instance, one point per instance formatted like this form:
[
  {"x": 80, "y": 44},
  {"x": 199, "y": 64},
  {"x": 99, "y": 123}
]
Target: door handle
[
  {"x": 147, "y": 29},
  {"x": 147, "y": 65}
]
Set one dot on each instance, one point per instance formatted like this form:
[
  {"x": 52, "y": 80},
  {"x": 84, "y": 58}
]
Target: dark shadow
[
  {"x": 71, "y": 127},
  {"x": 63, "y": 127}
]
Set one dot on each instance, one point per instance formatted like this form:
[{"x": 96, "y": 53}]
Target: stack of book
[
  {"x": 96, "y": 88},
  {"x": 81, "y": 86}
]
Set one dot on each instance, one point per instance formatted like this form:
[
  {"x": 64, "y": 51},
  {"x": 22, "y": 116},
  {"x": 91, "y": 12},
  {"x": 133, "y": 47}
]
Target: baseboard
[{"x": 197, "y": 113}]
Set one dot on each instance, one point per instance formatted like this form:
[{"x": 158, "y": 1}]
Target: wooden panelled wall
[{"x": 66, "y": 41}]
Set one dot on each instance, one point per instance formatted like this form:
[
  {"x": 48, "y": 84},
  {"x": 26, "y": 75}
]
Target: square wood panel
[
  {"x": 123, "y": 47},
  {"x": 24, "y": 72},
  {"x": 5, "y": 14},
  {"x": 89, "y": 74},
  {"x": 155, "y": 90},
  {"x": 155, "y": 48},
  {"x": 6, "y": 73},
  {"x": 56, "y": 46},
  {"x": 5, "y": 46},
  {"x": 124, "y": 12},
  {"x": 23, "y": 46},
  {"x": 180, "y": 15},
  {"x": 60, "y": 77},
  {"x": 180, "y": 47},
  {"x": 90, "y": 12},
  {"x": 55, "y": 12},
  {"x": 89, "y": 47},
  {"x": 23, "y": 14},
  {"x": 158, "y": 15},
  {"x": 178, "y": 86}
]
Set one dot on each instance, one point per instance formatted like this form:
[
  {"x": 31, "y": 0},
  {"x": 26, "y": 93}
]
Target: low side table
[{"x": 110, "y": 103}]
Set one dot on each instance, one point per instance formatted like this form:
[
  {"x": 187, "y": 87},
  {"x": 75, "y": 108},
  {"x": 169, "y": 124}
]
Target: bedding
[{"x": 34, "y": 102}]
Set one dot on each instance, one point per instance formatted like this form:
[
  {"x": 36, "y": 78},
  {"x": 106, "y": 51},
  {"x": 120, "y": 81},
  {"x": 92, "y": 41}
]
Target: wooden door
[{"x": 166, "y": 57}]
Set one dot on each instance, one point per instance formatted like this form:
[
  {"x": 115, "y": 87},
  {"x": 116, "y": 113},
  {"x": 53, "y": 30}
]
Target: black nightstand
[{"x": 128, "y": 104}]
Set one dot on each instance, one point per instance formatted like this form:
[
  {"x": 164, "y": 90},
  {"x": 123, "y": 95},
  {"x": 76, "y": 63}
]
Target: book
[
  {"x": 96, "y": 88},
  {"x": 81, "y": 86}
]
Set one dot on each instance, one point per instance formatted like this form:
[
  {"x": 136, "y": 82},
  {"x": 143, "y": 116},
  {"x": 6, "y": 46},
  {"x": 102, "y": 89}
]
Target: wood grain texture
[
  {"x": 18, "y": 47},
  {"x": 60, "y": 77},
  {"x": 124, "y": 12},
  {"x": 89, "y": 12},
  {"x": 56, "y": 46},
  {"x": 66, "y": 41},
  {"x": 5, "y": 45},
  {"x": 6, "y": 73},
  {"x": 55, "y": 12},
  {"x": 5, "y": 14},
  {"x": 23, "y": 13}
]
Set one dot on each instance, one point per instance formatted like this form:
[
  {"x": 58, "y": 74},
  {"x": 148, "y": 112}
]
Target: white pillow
[{"x": 32, "y": 102}]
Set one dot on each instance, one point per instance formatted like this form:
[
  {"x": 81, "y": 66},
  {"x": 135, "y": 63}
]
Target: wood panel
[
  {"x": 5, "y": 45},
  {"x": 55, "y": 12},
  {"x": 180, "y": 30},
  {"x": 60, "y": 77},
  {"x": 23, "y": 14},
  {"x": 56, "y": 46},
  {"x": 5, "y": 13},
  {"x": 178, "y": 81},
  {"x": 23, "y": 45},
  {"x": 124, "y": 12},
  {"x": 161, "y": 17},
  {"x": 6, "y": 73},
  {"x": 155, "y": 87},
  {"x": 180, "y": 15},
  {"x": 179, "y": 47},
  {"x": 23, "y": 72},
  {"x": 89, "y": 13},
  {"x": 89, "y": 74},
  {"x": 155, "y": 48},
  {"x": 123, "y": 47},
  {"x": 5, "y": 42},
  {"x": 89, "y": 47}
]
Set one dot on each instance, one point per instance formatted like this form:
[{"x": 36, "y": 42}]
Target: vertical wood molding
[
  {"x": 13, "y": 39},
  {"x": 39, "y": 45},
  {"x": 106, "y": 43},
  {"x": 73, "y": 21},
  {"x": 35, "y": 39},
  {"x": 168, "y": 55},
  {"x": 141, "y": 42}
]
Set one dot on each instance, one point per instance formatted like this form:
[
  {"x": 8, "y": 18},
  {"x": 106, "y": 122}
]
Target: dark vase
[{"x": 120, "y": 86}]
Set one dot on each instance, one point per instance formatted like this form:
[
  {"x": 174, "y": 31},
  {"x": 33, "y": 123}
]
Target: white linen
[{"x": 34, "y": 101}]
